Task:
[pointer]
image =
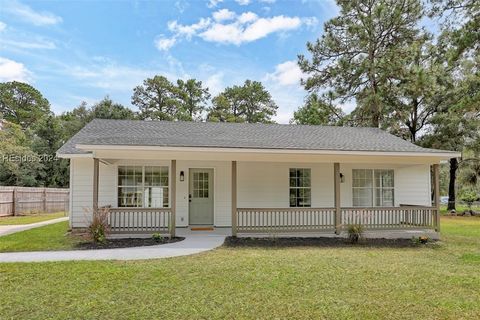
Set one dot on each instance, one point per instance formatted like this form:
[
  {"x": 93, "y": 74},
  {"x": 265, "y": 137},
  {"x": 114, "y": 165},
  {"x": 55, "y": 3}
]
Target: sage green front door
[{"x": 201, "y": 197}]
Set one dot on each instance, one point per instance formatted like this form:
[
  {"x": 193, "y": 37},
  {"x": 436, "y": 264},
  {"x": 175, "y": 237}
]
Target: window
[
  {"x": 143, "y": 186},
  {"x": 372, "y": 187},
  {"x": 200, "y": 184},
  {"x": 300, "y": 192}
]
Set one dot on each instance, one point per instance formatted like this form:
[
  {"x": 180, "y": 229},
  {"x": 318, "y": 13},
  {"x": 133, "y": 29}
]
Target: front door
[{"x": 200, "y": 195}]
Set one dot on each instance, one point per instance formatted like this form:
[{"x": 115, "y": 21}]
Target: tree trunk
[{"x": 451, "y": 185}]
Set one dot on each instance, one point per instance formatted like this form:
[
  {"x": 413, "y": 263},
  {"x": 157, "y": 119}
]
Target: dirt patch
[
  {"x": 126, "y": 243},
  {"x": 322, "y": 242}
]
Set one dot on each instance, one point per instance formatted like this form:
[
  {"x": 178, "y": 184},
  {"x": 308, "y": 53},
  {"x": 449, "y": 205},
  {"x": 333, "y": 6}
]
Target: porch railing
[
  {"x": 283, "y": 220},
  {"x": 390, "y": 218},
  {"x": 256, "y": 220},
  {"x": 139, "y": 220}
]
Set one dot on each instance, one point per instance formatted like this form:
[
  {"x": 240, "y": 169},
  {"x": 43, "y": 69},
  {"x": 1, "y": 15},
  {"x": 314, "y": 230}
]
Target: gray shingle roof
[{"x": 236, "y": 135}]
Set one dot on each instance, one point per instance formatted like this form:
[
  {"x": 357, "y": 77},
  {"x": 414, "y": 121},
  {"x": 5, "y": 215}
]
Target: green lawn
[
  {"x": 49, "y": 237},
  {"x": 27, "y": 219},
  {"x": 262, "y": 283},
  {"x": 460, "y": 208}
]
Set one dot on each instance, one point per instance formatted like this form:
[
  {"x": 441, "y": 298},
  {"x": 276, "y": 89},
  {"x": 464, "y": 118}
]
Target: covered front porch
[{"x": 251, "y": 198}]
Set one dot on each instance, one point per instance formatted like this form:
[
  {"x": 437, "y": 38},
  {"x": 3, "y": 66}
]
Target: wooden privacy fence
[{"x": 21, "y": 200}]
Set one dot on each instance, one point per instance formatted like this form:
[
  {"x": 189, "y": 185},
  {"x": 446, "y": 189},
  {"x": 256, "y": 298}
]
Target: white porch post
[
  {"x": 436, "y": 195},
  {"x": 336, "y": 182},
  {"x": 173, "y": 200},
  {"x": 95, "y": 184},
  {"x": 234, "y": 198}
]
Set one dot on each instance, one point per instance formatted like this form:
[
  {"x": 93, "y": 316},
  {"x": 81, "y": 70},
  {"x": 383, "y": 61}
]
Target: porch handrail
[
  {"x": 137, "y": 209},
  {"x": 406, "y": 207},
  {"x": 270, "y": 220},
  {"x": 140, "y": 220},
  {"x": 288, "y": 209},
  {"x": 306, "y": 219},
  {"x": 390, "y": 217}
]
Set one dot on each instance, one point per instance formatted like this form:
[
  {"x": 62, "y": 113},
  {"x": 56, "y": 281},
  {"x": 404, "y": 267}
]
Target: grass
[
  {"x": 49, "y": 237},
  {"x": 32, "y": 218},
  {"x": 266, "y": 283},
  {"x": 460, "y": 208}
]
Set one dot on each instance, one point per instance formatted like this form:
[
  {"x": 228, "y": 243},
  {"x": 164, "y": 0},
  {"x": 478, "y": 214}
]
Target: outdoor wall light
[
  {"x": 342, "y": 178},
  {"x": 182, "y": 176}
]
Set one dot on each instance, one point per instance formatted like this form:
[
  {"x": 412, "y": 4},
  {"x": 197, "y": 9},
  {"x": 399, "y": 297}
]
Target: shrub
[
  {"x": 355, "y": 232},
  {"x": 469, "y": 196},
  {"x": 421, "y": 240},
  {"x": 98, "y": 227},
  {"x": 157, "y": 237}
]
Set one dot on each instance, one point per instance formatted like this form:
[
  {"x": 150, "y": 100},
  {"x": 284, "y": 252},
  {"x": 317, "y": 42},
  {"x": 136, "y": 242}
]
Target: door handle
[{"x": 190, "y": 197}]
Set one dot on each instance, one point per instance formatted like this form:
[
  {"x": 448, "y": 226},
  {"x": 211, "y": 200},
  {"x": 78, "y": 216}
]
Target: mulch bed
[
  {"x": 126, "y": 243},
  {"x": 321, "y": 242}
]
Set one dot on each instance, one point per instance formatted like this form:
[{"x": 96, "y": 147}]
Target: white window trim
[
  {"x": 290, "y": 187},
  {"x": 375, "y": 187},
  {"x": 143, "y": 183}
]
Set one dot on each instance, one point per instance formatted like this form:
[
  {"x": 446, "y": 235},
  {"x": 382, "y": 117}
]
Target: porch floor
[
  {"x": 370, "y": 234},
  {"x": 226, "y": 232}
]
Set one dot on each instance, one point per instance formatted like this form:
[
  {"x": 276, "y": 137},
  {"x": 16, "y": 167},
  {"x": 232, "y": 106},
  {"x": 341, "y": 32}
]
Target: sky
[{"x": 74, "y": 51}]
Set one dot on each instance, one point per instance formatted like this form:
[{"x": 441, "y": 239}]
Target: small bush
[
  {"x": 421, "y": 240},
  {"x": 98, "y": 227},
  {"x": 355, "y": 232},
  {"x": 157, "y": 237},
  {"x": 469, "y": 196}
]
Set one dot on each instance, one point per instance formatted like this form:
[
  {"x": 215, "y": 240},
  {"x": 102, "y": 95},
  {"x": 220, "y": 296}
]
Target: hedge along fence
[{"x": 22, "y": 200}]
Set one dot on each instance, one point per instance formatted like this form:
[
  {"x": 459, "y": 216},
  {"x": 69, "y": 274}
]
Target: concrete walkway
[
  {"x": 191, "y": 245},
  {"x": 9, "y": 229}
]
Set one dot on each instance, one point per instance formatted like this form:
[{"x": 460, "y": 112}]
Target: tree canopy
[
  {"x": 316, "y": 111},
  {"x": 193, "y": 97},
  {"x": 356, "y": 57},
  {"x": 22, "y": 104},
  {"x": 160, "y": 99},
  {"x": 19, "y": 164},
  {"x": 157, "y": 99},
  {"x": 250, "y": 102}
]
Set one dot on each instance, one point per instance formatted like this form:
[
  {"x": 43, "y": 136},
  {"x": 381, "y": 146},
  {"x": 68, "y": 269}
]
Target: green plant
[
  {"x": 421, "y": 240},
  {"x": 355, "y": 232},
  {"x": 99, "y": 227},
  {"x": 469, "y": 196},
  {"x": 273, "y": 237},
  {"x": 157, "y": 237}
]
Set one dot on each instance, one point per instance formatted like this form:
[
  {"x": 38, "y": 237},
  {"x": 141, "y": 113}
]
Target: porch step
[{"x": 202, "y": 228}]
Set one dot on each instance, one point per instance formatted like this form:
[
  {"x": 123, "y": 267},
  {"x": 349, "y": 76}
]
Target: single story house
[{"x": 244, "y": 179}]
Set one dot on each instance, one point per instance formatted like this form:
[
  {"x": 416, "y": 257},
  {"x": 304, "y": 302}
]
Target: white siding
[
  {"x": 81, "y": 182},
  {"x": 266, "y": 185},
  {"x": 259, "y": 185},
  {"x": 412, "y": 183}
]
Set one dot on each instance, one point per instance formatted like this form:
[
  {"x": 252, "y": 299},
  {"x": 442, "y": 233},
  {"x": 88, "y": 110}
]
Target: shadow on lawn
[{"x": 273, "y": 242}]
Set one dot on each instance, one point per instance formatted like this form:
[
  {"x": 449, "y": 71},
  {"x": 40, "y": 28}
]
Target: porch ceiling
[{"x": 111, "y": 156}]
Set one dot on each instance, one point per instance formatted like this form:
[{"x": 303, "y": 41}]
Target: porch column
[
  {"x": 95, "y": 184},
  {"x": 173, "y": 195},
  {"x": 436, "y": 195},
  {"x": 234, "y": 198},
  {"x": 336, "y": 182}
]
